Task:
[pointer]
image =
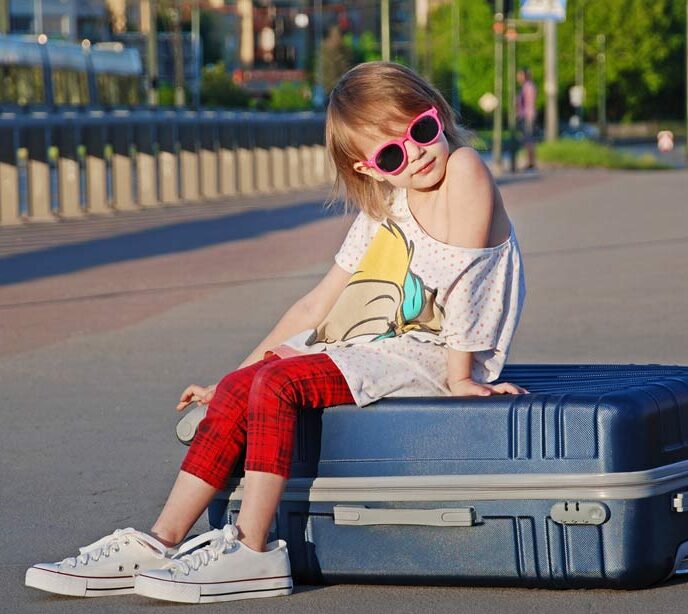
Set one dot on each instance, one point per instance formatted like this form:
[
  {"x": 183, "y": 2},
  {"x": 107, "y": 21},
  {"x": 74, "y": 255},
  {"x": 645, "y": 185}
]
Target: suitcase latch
[
  {"x": 579, "y": 512},
  {"x": 680, "y": 502}
]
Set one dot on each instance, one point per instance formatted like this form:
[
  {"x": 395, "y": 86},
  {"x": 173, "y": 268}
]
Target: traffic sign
[{"x": 543, "y": 10}]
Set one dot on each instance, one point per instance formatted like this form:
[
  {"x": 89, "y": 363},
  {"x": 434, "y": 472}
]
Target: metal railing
[{"x": 70, "y": 164}]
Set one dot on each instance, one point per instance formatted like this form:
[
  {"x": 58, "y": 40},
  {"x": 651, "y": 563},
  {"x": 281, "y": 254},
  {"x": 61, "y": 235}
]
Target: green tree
[
  {"x": 336, "y": 57},
  {"x": 290, "y": 96},
  {"x": 474, "y": 66},
  {"x": 645, "y": 48},
  {"x": 218, "y": 89},
  {"x": 645, "y": 51}
]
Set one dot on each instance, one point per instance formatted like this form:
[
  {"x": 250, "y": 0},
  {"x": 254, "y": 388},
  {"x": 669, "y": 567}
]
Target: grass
[{"x": 589, "y": 154}]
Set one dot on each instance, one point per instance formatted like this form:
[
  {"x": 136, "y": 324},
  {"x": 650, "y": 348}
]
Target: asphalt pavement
[{"x": 104, "y": 321}]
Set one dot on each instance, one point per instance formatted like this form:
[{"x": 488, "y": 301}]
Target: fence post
[
  {"x": 9, "y": 177},
  {"x": 294, "y": 174},
  {"x": 96, "y": 187},
  {"x": 120, "y": 138},
  {"x": 261, "y": 153},
  {"x": 68, "y": 171},
  {"x": 306, "y": 158},
  {"x": 245, "y": 157},
  {"x": 319, "y": 152},
  {"x": 228, "y": 157},
  {"x": 167, "y": 159},
  {"x": 188, "y": 157},
  {"x": 146, "y": 168},
  {"x": 278, "y": 158},
  {"x": 38, "y": 169},
  {"x": 208, "y": 156}
]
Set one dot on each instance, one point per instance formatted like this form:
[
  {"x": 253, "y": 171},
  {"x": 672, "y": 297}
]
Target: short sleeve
[
  {"x": 478, "y": 303},
  {"x": 356, "y": 242}
]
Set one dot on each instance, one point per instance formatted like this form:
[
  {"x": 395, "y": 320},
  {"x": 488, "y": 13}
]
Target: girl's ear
[{"x": 359, "y": 167}]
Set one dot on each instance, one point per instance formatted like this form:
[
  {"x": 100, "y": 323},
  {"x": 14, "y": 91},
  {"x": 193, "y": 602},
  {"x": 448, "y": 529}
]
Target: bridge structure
[{"x": 76, "y": 163}]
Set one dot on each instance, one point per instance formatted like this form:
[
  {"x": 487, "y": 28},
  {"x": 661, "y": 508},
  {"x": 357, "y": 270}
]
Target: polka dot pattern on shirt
[{"x": 481, "y": 290}]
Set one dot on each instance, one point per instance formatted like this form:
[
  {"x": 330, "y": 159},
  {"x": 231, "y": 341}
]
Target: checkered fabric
[{"x": 257, "y": 407}]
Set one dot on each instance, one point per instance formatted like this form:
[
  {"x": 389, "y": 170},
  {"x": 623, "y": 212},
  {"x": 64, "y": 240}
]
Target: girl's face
[{"x": 425, "y": 164}]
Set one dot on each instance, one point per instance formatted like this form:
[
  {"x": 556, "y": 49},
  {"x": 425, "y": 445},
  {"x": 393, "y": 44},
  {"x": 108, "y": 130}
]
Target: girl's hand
[
  {"x": 196, "y": 394},
  {"x": 467, "y": 387}
]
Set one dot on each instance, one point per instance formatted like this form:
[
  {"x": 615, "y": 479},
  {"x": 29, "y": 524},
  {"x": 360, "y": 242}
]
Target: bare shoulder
[
  {"x": 466, "y": 160},
  {"x": 470, "y": 195}
]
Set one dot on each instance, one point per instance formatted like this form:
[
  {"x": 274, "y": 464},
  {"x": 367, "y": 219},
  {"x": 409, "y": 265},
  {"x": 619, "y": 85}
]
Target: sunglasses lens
[
  {"x": 425, "y": 129},
  {"x": 390, "y": 158}
]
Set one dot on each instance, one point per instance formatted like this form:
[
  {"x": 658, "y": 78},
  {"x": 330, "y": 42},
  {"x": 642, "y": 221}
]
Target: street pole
[
  {"x": 511, "y": 90},
  {"x": 580, "y": 57},
  {"x": 551, "y": 84},
  {"x": 151, "y": 10},
  {"x": 686, "y": 144},
  {"x": 178, "y": 53},
  {"x": 4, "y": 16},
  {"x": 317, "y": 24},
  {"x": 385, "y": 39},
  {"x": 197, "y": 51},
  {"x": 38, "y": 16},
  {"x": 455, "y": 29},
  {"x": 498, "y": 28},
  {"x": 602, "y": 86}
]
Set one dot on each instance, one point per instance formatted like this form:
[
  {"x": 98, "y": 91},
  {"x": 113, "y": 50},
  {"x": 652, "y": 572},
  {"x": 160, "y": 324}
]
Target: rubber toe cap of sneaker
[
  {"x": 48, "y": 577},
  {"x": 159, "y": 584}
]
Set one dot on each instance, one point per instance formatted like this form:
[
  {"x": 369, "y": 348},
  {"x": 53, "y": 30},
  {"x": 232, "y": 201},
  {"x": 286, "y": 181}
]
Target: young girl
[{"x": 423, "y": 299}]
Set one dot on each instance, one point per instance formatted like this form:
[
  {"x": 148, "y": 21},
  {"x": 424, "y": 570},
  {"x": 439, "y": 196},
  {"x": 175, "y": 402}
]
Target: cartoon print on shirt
[{"x": 383, "y": 298}]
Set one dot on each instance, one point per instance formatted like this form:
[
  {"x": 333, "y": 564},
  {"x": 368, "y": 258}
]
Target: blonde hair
[{"x": 377, "y": 96}]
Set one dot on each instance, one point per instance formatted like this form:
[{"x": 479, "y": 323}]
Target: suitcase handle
[{"x": 439, "y": 517}]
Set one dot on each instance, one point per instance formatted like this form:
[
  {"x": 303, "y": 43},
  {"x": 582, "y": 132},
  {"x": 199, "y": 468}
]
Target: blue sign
[{"x": 543, "y": 10}]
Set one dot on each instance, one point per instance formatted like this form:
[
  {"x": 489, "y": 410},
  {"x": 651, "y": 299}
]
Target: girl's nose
[{"x": 413, "y": 151}]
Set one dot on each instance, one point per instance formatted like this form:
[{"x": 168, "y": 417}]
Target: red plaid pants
[{"x": 257, "y": 407}]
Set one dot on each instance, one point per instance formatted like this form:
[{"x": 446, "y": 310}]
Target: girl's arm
[
  {"x": 305, "y": 313},
  {"x": 477, "y": 216}
]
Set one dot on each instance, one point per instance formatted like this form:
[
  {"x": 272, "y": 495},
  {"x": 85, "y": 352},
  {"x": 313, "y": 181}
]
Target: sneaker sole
[
  {"x": 77, "y": 586},
  {"x": 188, "y": 426},
  {"x": 212, "y": 592}
]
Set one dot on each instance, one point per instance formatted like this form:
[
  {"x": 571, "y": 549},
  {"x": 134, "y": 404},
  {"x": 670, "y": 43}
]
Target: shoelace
[
  {"x": 220, "y": 540},
  {"x": 102, "y": 547}
]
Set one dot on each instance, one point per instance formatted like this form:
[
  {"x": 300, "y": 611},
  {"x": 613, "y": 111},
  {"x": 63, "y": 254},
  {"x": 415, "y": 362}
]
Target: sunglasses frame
[{"x": 431, "y": 112}]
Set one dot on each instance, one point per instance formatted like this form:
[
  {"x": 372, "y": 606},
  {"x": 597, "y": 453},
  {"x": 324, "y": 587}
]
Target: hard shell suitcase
[{"x": 581, "y": 483}]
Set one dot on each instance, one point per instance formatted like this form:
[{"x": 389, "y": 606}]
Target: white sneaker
[
  {"x": 224, "y": 570},
  {"x": 105, "y": 567}
]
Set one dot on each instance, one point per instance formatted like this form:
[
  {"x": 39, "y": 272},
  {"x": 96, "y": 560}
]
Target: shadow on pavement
[{"x": 180, "y": 237}]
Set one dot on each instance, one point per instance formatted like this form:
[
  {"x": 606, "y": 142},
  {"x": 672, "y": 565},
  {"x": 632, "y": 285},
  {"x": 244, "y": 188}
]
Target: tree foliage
[
  {"x": 336, "y": 57},
  {"x": 645, "y": 55},
  {"x": 218, "y": 89}
]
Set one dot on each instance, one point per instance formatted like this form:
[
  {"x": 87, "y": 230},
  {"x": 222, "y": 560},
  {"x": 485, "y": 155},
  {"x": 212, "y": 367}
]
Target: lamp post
[
  {"x": 38, "y": 17},
  {"x": 580, "y": 50},
  {"x": 385, "y": 38},
  {"x": 602, "y": 85},
  {"x": 498, "y": 28},
  {"x": 151, "y": 11},
  {"x": 197, "y": 51},
  {"x": 455, "y": 34},
  {"x": 4, "y": 16},
  {"x": 511, "y": 37},
  {"x": 551, "y": 82}
]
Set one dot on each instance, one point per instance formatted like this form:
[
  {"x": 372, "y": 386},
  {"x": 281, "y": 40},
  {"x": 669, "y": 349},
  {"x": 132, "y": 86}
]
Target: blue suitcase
[{"x": 582, "y": 483}]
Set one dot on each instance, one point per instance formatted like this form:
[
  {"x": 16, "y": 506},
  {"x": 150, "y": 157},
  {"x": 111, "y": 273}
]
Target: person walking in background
[{"x": 526, "y": 112}]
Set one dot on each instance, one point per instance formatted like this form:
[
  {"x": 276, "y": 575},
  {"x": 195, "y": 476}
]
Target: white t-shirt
[{"x": 409, "y": 298}]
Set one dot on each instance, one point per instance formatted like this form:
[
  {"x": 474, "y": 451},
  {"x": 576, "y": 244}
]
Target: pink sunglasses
[{"x": 424, "y": 129}]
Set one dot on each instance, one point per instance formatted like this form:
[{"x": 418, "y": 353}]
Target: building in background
[{"x": 66, "y": 19}]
